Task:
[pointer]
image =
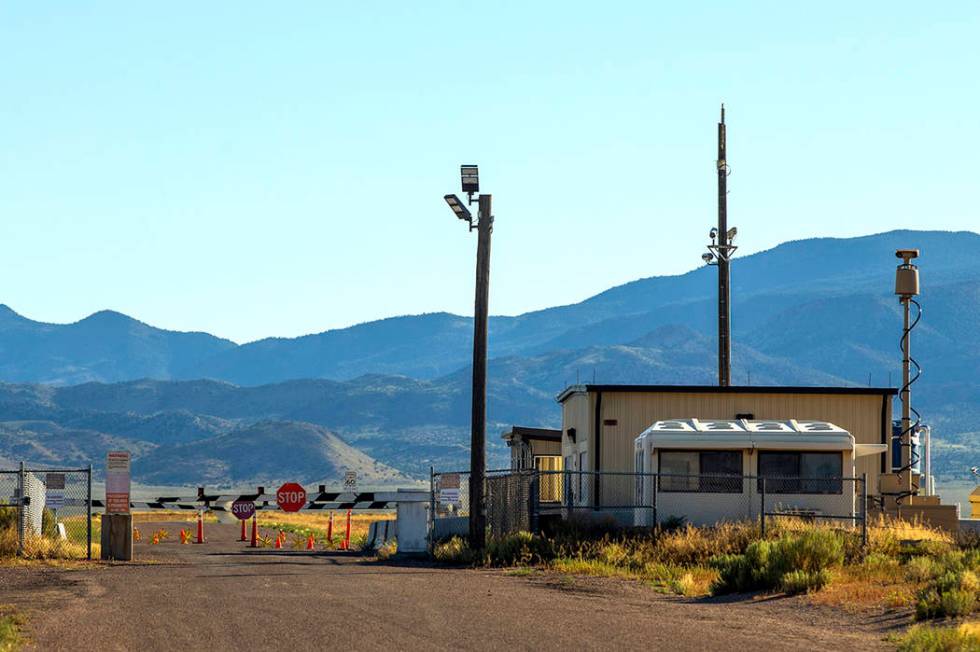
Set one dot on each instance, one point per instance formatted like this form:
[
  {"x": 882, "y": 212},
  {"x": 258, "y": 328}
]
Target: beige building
[{"x": 600, "y": 423}]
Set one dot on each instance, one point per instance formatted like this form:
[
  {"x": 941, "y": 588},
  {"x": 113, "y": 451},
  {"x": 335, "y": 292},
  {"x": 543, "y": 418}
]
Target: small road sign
[
  {"x": 350, "y": 481},
  {"x": 243, "y": 509},
  {"x": 291, "y": 497}
]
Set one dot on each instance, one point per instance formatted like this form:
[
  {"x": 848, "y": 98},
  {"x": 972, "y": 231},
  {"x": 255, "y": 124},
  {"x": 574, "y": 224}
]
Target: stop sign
[
  {"x": 291, "y": 497},
  {"x": 243, "y": 509}
]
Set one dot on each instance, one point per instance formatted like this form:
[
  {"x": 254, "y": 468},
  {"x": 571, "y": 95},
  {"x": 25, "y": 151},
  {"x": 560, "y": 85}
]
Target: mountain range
[{"x": 810, "y": 312}]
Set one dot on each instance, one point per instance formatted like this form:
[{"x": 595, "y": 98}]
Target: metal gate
[{"x": 45, "y": 505}]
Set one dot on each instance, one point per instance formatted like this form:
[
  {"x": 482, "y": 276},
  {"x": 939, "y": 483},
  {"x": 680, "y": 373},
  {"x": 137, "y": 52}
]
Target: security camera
[
  {"x": 707, "y": 258},
  {"x": 713, "y": 234}
]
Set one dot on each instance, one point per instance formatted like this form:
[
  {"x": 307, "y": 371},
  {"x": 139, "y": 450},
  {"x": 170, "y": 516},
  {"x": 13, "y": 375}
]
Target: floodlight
[
  {"x": 470, "y": 176},
  {"x": 713, "y": 233},
  {"x": 707, "y": 258},
  {"x": 459, "y": 208},
  {"x": 732, "y": 232}
]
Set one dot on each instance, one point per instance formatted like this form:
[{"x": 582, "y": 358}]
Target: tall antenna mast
[{"x": 721, "y": 250}]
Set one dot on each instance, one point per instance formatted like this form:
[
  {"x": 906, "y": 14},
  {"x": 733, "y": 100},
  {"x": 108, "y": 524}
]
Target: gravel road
[{"x": 222, "y": 596}]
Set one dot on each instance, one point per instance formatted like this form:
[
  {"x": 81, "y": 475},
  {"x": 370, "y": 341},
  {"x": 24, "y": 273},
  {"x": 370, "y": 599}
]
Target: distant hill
[
  {"x": 106, "y": 346},
  {"x": 812, "y": 312}
]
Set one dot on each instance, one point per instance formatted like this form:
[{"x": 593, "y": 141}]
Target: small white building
[{"x": 710, "y": 471}]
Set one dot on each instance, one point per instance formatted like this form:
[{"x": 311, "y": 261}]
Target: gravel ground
[{"x": 223, "y": 596}]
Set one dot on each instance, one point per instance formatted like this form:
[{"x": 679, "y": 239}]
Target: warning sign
[
  {"x": 54, "y": 484},
  {"x": 117, "y": 482},
  {"x": 449, "y": 489}
]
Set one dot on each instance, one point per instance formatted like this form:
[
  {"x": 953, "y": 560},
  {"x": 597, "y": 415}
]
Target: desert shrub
[
  {"x": 519, "y": 549},
  {"x": 765, "y": 564},
  {"x": 800, "y": 581},
  {"x": 454, "y": 551},
  {"x": 950, "y": 595},
  {"x": 387, "y": 550},
  {"x": 923, "y": 569},
  {"x": 8, "y": 518},
  {"x": 923, "y": 638}
]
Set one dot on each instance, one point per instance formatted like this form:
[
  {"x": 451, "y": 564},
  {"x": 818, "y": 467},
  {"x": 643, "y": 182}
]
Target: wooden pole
[{"x": 479, "y": 406}]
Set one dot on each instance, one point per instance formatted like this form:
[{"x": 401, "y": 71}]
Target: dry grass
[{"x": 303, "y": 524}]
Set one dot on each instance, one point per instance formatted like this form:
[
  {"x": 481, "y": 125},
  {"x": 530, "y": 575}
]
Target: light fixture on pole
[{"x": 470, "y": 179}]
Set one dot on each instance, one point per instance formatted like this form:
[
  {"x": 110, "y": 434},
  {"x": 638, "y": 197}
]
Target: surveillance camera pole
[
  {"x": 724, "y": 295},
  {"x": 478, "y": 421}
]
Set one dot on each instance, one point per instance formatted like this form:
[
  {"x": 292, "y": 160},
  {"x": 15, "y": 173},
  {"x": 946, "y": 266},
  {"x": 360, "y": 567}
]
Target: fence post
[
  {"x": 21, "y": 510},
  {"x": 535, "y": 499},
  {"x": 88, "y": 538},
  {"x": 432, "y": 507},
  {"x": 762, "y": 512},
  {"x": 656, "y": 497},
  {"x": 864, "y": 510}
]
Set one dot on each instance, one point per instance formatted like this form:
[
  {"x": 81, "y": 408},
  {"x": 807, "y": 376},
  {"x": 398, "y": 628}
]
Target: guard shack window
[
  {"x": 801, "y": 473},
  {"x": 701, "y": 471}
]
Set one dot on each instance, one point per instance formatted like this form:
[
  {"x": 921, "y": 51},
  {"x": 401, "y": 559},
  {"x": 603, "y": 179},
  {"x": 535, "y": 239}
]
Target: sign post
[
  {"x": 117, "y": 522},
  {"x": 291, "y": 497},
  {"x": 117, "y": 482}
]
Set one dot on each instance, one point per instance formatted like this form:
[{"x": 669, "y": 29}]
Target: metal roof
[
  {"x": 763, "y": 434},
  {"x": 714, "y": 389},
  {"x": 545, "y": 434}
]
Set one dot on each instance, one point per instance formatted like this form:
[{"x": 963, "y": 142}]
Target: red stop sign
[
  {"x": 243, "y": 509},
  {"x": 291, "y": 497}
]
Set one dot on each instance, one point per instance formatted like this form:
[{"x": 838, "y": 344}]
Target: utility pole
[
  {"x": 907, "y": 287},
  {"x": 724, "y": 295},
  {"x": 478, "y": 421},
  {"x": 469, "y": 174}
]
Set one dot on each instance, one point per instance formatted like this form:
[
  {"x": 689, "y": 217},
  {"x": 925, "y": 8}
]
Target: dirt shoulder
[{"x": 224, "y": 596}]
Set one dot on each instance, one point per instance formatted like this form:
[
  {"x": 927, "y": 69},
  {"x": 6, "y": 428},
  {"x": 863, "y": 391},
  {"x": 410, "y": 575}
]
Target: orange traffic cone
[
  {"x": 200, "y": 527},
  {"x": 255, "y": 532},
  {"x": 347, "y": 533},
  {"x": 279, "y": 541},
  {"x": 243, "y": 533},
  {"x": 330, "y": 530},
  {"x": 310, "y": 543}
]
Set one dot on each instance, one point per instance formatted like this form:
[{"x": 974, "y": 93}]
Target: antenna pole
[{"x": 724, "y": 294}]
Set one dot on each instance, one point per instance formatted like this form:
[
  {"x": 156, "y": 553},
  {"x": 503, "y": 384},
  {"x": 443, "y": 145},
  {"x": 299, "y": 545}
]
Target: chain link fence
[
  {"x": 523, "y": 499},
  {"x": 46, "y": 512}
]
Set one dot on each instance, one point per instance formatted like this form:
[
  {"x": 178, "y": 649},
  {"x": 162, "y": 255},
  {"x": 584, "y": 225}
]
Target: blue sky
[{"x": 255, "y": 169}]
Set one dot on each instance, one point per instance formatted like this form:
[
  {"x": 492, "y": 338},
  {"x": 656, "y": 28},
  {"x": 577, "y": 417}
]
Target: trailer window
[
  {"x": 801, "y": 473},
  {"x": 701, "y": 471}
]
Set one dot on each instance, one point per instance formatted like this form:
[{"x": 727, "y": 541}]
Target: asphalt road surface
[{"x": 223, "y": 596}]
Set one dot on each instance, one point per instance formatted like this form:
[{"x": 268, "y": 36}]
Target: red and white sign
[
  {"x": 291, "y": 497},
  {"x": 117, "y": 482},
  {"x": 243, "y": 509}
]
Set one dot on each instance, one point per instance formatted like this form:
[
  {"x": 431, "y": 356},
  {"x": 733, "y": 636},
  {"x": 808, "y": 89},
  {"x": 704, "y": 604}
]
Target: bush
[
  {"x": 799, "y": 581},
  {"x": 920, "y": 638},
  {"x": 766, "y": 564},
  {"x": 519, "y": 549},
  {"x": 454, "y": 551},
  {"x": 953, "y": 587}
]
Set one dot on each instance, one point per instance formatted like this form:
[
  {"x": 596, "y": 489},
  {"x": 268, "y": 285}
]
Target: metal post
[
  {"x": 762, "y": 512},
  {"x": 478, "y": 523},
  {"x": 864, "y": 510},
  {"x": 724, "y": 310},
  {"x": 88, "y": 538},
  {"x": 432, "y": 507},
  {"x": 21, "y": 509},
  {"x": 656, "y": 496}
]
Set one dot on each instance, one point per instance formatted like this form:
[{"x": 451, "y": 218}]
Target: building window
[
  {"x": 801, "y": 473},
  {"x": 701, "y": 471},
  {"x": 549, "y": 477}
]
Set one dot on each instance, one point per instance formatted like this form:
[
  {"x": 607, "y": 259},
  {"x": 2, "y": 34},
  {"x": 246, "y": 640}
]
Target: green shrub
[
  {"x": 922, "y": 638},
  {"x": 519, "y": 549},
  {"x": 800, "y": 581},
  {"x": 953, "y": 587},
  {"x": 454, "y": 551},
  {"x": 766, "y": 564}
]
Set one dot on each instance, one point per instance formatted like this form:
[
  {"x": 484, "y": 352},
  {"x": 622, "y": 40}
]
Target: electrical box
[{"x": 907, "y": 281}]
